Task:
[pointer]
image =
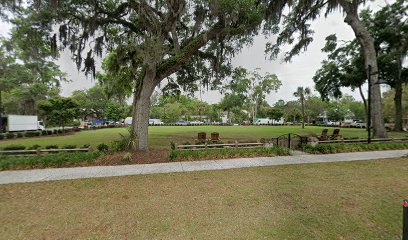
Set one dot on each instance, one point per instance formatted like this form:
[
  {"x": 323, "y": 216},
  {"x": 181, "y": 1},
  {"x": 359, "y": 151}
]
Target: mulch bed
[{"x": 154, "y": 156}]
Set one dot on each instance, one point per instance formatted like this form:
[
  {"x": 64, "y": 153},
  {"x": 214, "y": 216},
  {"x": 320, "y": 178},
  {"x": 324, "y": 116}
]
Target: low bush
[
  {"x": 227, "y": 153},
  {"x": 55, "y": 131},
  {"x": 60, "y": 131},
  {"x": 172, "y": 145},
  {"x": 352, "y": 147},
  {"x": 86, "y": 146},
  {"x": 49, "y": 132},
  {"x": 49, "y": 160},
  {"x": 44, "y": 133},
  {"x": 103, "y": 147},
  {"x": 10, "y": 135},
  {"x": 124, "y": 143},
  {"x": 69, "y": 146},
  {"x": 52, "y": 146},
  {"x": 1, "y": 136},
  {"x": 20, "y": 135},
  {"x": 34, "y": 147},
  {"x": 32, "y": 134},
  {"x": 14, "y": 147},
  {"x": 127, "y": 157}
]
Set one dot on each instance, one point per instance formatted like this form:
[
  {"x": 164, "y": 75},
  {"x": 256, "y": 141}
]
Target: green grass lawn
[
  {"x": 349, "y": 200},
  {"x": 161, "y": 136}
]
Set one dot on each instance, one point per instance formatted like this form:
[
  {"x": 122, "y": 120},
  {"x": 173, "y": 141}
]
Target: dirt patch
[{"x": 158, "y": 156}]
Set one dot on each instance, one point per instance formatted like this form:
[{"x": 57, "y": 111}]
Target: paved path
[{"x": 38, "y": 175}]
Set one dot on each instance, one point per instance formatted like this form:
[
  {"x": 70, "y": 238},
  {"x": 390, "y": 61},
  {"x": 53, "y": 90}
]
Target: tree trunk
[
  {"x": 141, "y": 111},
  {"x": 1, "y": 115},
  {"x": 398, "y": 107},
  {"x": 364, "y": 100},
  {"x": 302, "y": 101},
  {"x": 255, "y": 111},
  {"x": 370, "y": 59}
]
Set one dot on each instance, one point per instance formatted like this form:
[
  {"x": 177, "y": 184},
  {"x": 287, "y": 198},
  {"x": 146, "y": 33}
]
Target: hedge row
[
  {"x": 176, "y": 155},
  {"x": 51, "y": 160},
  {"x": 352, "y": 147},
  {"x": 12, "y": 135},
  {"x": 36, "y": 146}
]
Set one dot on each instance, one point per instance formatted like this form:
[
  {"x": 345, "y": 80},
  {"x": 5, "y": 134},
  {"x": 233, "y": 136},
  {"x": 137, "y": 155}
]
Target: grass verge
[
  {"x": 352, "y": 147},
  {"x": 347, "y": 200},
  {"x": 49, "y": 160},
  {"x": 183, "y": 155}
]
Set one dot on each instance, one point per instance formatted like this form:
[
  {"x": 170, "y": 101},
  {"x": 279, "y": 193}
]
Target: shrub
[
  {"x": 55, "y": 131},
  {"x": 173, "y": 145},
  {"x": 14, "y": 147},
  {"x": 20, "y": 135},
  {"x": 49, "y": 132},
  {"x": 127, "y": 157},
  {"x": 34, "y": 147},
  {"x": 10, "y": 135},
  {"x": 103, "y": 147},
  {"x": 52, "y": 146},
  {"x": 86, "y": 145},
  {"x": 44, "y": 133},
  {"x": 1, "y": 136},
  {"x": 59, "y": 131},
  {"x": 124, "y": 143},
  {"x": 32, "y": 134},
  {"x": 173, "y": 155},
  {"x": 70, "y": 146}
]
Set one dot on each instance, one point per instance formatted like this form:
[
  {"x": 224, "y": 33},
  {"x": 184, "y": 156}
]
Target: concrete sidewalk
[{"x": 38, "y": 175}]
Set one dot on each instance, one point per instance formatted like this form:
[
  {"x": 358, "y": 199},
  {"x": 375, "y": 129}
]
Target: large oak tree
[{"x": 151, "y": 40}]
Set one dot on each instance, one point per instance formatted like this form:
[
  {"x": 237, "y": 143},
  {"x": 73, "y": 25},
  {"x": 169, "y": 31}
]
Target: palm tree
[{"x": 301, "y": 93}]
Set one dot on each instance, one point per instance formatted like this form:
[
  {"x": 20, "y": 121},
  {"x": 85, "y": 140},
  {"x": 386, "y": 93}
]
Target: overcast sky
[{"x": 299, "y": 72}]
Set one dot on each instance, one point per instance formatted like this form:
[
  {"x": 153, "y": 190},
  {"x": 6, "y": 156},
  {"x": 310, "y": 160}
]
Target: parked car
[
  {"x": 196, "y": 122},
  {"x": 359, "y": 123},
  {"x": 182, "y": 123},
  {"x": 246, "y": 123},
  {"x": 331, "y": 123},
  {"x": 155, "y": 122}
]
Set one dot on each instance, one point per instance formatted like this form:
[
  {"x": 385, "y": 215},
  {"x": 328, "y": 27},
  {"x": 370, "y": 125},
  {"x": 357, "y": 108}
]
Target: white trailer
[{"x": 19, "y": 123}]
